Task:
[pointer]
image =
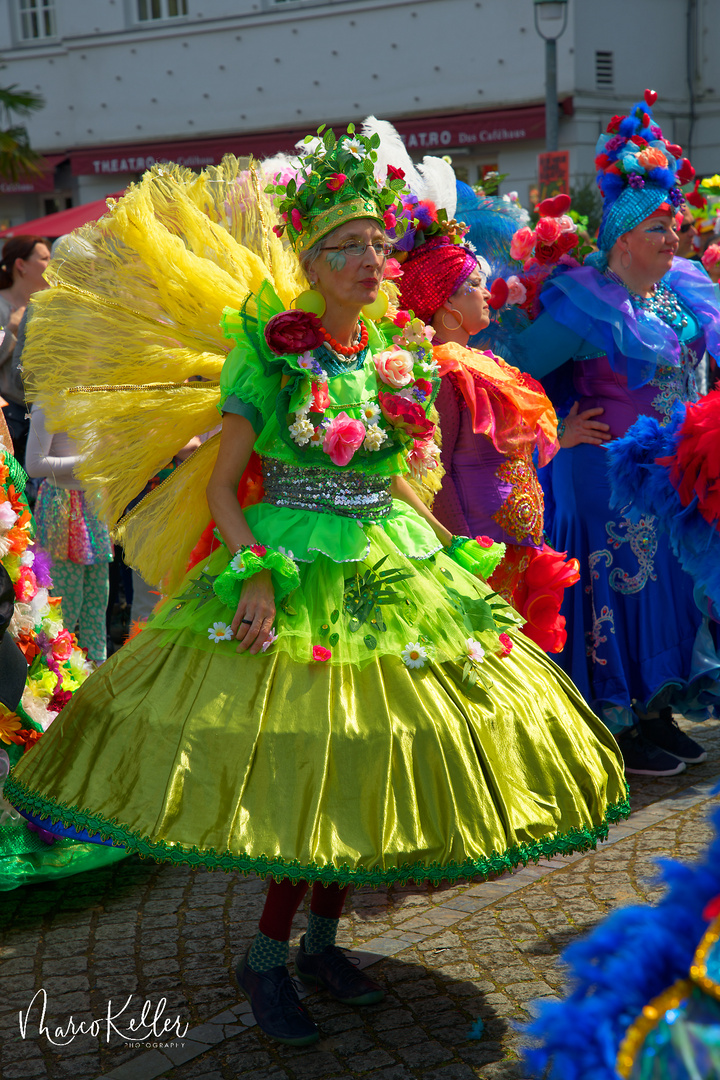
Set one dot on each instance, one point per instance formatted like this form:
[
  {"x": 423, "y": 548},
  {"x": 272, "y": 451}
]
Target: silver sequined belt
[{"x": 350, "y": 494}]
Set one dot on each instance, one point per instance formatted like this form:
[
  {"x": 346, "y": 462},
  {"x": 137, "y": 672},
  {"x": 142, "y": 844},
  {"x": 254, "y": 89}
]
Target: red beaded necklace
[{"x": 346, "y": 350}]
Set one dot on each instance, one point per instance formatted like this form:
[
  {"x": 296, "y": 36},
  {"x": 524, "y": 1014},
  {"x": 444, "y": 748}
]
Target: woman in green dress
[{"x": 332, "y": 694}]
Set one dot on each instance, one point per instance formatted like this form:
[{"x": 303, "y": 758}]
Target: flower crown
[
  {"x": 633, "y": 153},
  {"x": 336, "y": 183}
]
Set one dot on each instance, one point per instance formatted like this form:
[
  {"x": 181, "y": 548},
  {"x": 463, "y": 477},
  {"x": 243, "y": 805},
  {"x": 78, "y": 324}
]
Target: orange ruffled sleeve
[{"x": 511, "y": 408}]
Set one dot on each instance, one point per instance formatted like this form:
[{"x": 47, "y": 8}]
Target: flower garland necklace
[{"x": 395, "y": 419}]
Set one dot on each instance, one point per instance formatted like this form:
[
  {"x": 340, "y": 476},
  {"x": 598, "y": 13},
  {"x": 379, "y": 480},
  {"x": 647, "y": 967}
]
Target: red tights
[{"x": 284, "y": 898}]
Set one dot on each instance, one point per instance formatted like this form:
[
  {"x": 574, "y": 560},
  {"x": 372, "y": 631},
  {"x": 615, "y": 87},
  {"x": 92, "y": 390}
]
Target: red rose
[
  {"x": 638, "y": 140},
  {"x": 547, "y": 230},
  {"x": 395, "y": 174},
  {"x": 484, "y": 541},
  {"x": 59, "y": 700},
  {"x": 601, "y": 162},
  {"x": 258, "y": 549},
  {"x": 614, "y": 125},
  {"x": 424, "y": 387},
  {"x": 337, "y": 181},
  {"x": 404, "y": 414},
  {"x": 292, "y": 332}
]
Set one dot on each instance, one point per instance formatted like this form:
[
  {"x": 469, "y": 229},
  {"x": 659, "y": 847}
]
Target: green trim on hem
[{"x": 567, "y": 843}]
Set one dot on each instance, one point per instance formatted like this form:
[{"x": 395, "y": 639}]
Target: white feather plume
[
  {"x": 439, "y": 177},
  {"x": 392, "y": 151}
]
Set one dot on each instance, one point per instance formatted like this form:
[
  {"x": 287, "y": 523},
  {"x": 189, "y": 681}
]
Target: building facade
[{"x": 130, "y": 82}]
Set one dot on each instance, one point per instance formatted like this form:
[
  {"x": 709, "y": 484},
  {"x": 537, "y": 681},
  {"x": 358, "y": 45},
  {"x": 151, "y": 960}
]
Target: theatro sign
[{"x": 424, "y": 133}]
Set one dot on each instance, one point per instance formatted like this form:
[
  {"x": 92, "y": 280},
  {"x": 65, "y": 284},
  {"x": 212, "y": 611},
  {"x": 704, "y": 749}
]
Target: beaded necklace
[{"x": 663, "y": 302}]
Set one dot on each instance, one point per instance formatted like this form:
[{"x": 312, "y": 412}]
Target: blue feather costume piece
[
  {"x": 641, "y": 487},
  {"x": 631, "y": 958}
]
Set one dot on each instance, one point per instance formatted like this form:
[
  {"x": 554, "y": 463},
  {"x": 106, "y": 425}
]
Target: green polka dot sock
[
  {"x": 265, "y": 953},
  {"x": 321, "y": 932}
]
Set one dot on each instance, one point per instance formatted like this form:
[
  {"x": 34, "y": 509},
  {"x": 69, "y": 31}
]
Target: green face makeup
[{"x": 336, "y": 260}]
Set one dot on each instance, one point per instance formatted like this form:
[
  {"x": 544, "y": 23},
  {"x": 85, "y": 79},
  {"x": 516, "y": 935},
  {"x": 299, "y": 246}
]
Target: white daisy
[
  {"x": 237, "y": 563},
  {"x": 374, "y": 438},
  {"x": 302, "y": 431},
  {"x": 220, "y": 631},
  {"x": 318, "y": 435},
  {"x": 414, "y": 655},
  {"x": 475, "y": 650},
  {"x": 370, "y": 413},
  {"x": 429, "y": 367},
  {"x": 356, "y": 148}
]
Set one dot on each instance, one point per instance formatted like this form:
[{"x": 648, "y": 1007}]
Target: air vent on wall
[{"x": 603, "y": 69}]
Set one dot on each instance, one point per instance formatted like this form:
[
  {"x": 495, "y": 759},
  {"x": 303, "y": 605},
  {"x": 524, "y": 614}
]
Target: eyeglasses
[
  {"x": 355, "y": 249},
  {"x": 686, "y": 226}
]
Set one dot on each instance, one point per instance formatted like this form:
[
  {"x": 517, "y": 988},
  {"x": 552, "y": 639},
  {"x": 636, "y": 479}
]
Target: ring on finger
[{"x": 248, "y": 621}]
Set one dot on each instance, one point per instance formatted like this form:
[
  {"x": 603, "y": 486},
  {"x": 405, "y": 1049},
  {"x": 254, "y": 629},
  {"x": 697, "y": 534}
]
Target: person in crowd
[
  {"x": 333, "y": 695},
  {"x": 69, "y": 530},
  {"x": 688, "y": 235},
  {"x": 493, "y": 421},
  {"x": 22, "y": 266},
  {"x": 625, "y": 333}
]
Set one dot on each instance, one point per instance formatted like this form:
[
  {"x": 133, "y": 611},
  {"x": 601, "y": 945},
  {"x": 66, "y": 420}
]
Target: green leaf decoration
[
  {"x": 353, "y": 625},
  {"x": 201, "y": 590},
  {"x": 375, "y": 141},
  {"x": 351, "y": 129},
  {"x": 333, "y": 640},
  {"x": 308, "y": 138},
  {"x": 335, "y": 616},
  {"x": 324, "y": 629},
  {"x": 321, "y": 129},
  {"x": 286, "y": 608},
  {"x": 370, "y": 641},
  {"x": 329, "y": 140},
  {"x": 446, "y": 572}
]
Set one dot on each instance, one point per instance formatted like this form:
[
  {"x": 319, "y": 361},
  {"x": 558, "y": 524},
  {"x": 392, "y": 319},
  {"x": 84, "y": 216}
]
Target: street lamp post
[{"x": 547, "y": 13}]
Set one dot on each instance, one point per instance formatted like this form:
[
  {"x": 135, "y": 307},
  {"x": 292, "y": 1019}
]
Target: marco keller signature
[{"x": 150, "y": 1024}]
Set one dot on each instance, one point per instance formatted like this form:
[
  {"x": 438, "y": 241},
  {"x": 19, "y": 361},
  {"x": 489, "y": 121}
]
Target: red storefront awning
[
  {"x": 64, "y": 221},
  {"x": 38, "y": 182},
  {"x": 476, "y": 129}
]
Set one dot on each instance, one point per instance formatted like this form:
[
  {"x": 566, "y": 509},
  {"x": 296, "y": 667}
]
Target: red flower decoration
[
  {"x": 321, "y": 654},
  {"x": 392, "y": 270},
  {"x": 424, "y": 387},
  {"x": 321, "y": 397},
  {"x": 405, "y": 414},
  {"x": 296, "y": 220},
  {"x": 278, "y": 230},
  {"x": 337, "y": 181},
  {"x": 395, "y": 174},
  {"x": 484, "y": 541},
  {"x": 258, "y": 549},
  {"x": 59, "y": 700},
  {"x": 554, "y": 207},
  {"x": 402, "y": 318},
  {"x": 498, "y": 293},
  {"x": 389, "y": 219},
  {"x": 712, "y": 909},
  {"x": 685, "y": 173},
  {"x": 614, "y": 125},
  {"x": 293, "y": 332}
]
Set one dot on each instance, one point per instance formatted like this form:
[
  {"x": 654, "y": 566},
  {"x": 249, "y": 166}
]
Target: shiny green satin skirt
[{"x": 321, "y": 771}]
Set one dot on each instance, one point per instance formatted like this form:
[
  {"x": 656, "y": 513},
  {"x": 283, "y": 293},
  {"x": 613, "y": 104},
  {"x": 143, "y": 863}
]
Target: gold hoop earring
[
  {"x": 311, "y": 300},
  {"x": 629, "y": 260},
  {"x": 457, "y": 314}
]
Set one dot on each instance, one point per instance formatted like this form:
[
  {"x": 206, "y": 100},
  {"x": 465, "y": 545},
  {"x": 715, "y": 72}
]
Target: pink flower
[
  {"x": 566, "y": 223},
  {"x": 393, "y": 270},
  {"x": 59, "y": 700},
  {"x": 507, "y": 645},
  {"x": 522, "y": 244},
  {"x": 517, "y": 293},
  {"x": 336, "y": 181},
  {"x": 26, "y": 585},
  {"x": 404, "y": 414},
  {"x": 484, "y": 541},
  {"x": 547, "y": 230},
  {"x": 422, "y": 457},
  {"x": 321, "y": 654},
  {"x": 402, "y": 319},
  {"x": 711, "y": 256},
  {"x": 63, "y": 645},
  {"x": 343, "y": 436},
  {"x": 278, "y": 229},
  {"x": 292, "y": 332},
  {"x": 389, "y": 219},
  {"x": 258, "y": 549},
  {"x": 296, "y": 220},
  {"x": 395, "y": 367}
]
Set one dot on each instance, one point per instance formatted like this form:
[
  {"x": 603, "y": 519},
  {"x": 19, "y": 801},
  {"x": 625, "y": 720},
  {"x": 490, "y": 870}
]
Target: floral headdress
[
  {"x": 335, "y": 184},
  {"x": 637, "y": 171}
]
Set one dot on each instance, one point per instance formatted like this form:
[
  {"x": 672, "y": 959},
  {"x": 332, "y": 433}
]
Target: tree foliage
[{"x": 17, "y": 158}]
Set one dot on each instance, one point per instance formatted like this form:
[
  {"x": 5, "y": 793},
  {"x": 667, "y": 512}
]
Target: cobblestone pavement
[{"x": 447, "y": 956}]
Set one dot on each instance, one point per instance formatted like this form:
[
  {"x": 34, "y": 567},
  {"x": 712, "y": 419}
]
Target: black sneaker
[
  {"x": 276, "y": 1005},
  {"x": 644, "y": 758},
  {"x": 666, "y": 734},
  {"x": 332, "y": 970}
]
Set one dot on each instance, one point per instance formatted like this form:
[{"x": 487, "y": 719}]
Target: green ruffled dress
[{"x": 388, "y": 733}]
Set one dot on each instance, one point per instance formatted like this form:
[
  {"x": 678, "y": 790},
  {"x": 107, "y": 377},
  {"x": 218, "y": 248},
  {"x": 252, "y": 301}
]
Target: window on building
[
  {"x": 148, "y": 10},
  {"x": 603, "y": 70},
  {"x": 36, "y": 19}
]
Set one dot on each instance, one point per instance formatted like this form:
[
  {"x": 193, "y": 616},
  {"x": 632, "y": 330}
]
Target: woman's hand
[
  {"x": 255, "y": 613},
  {"x": 581, "y": 428},
  {"x": 14, "y": 319}
]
